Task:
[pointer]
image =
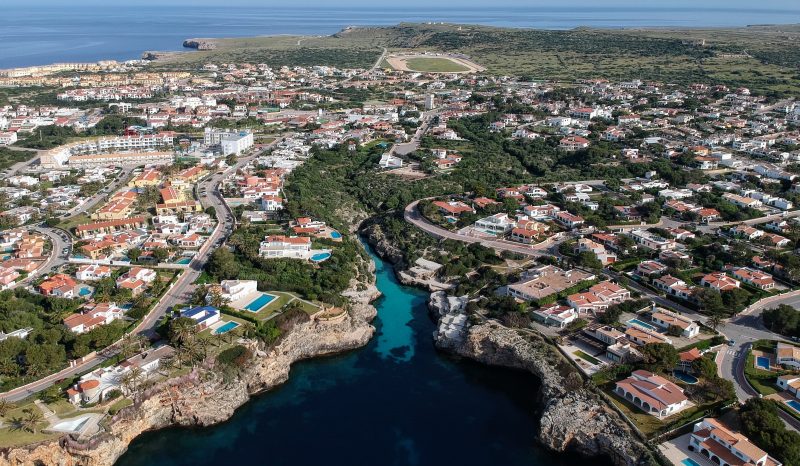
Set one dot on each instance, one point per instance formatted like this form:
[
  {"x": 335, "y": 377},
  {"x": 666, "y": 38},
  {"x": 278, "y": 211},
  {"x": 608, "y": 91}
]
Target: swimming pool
[
  {"x": 226, "y": 328},
  {"x": 794, "y": 404},
  {"x": 684, "y": 377},
  {"x": 84, "y": 291},
  {"x": 762, "y": 362},
  {"x": 642, "y": 324},
  {"x": 184, "y": 261},
  {"x": 690, "y": 462},
  {"x": 72, "y": 425},
  {"x": 336, "y": 235},
  {"x": 259, "y": 302},
  {"x": 321, "y": 257}
]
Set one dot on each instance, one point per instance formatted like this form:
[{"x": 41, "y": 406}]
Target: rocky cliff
[
  {"x": 202, "y": 398},
  {"x": 573, "y": 417}
]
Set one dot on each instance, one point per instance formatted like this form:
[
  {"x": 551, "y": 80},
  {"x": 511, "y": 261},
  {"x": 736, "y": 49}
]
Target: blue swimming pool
[
  {"x": 684, "y": 377},
  {"x": 336, "y": 235},
  {"x": 762, "y": 362},
  {"x": 84, "y": 291},
  {"x": 643, "y": 324},
  {"x": 794, "y": 404},
  {"x": 226, "y": 328},
  {"x": 184, "y": 260},
  {"x": 689, "y": 462},
  {"x": 259, "y": 302},
  {"x": 321, "y": 257}
]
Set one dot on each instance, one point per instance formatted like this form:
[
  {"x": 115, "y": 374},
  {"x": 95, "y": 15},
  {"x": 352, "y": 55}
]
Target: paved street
[{"x": 178, "y": 293}]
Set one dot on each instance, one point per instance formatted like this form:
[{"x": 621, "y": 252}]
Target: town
[{"x": 156, "y": 220}]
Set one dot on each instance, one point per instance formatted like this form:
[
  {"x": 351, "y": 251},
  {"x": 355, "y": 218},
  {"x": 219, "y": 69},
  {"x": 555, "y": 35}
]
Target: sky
[{"x": 725, "y": 4}]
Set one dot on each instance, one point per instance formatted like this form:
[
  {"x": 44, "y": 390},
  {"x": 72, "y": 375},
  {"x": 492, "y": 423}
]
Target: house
[
  {"x": 623, "y": 353},
  {"x": 546, "y": 280},
  {"x": 651, "y": 240},
  {"x": 741, "y": 201},
  {"x": 650, "y": 268},
  {"x": 93, "y": 315},
  {"x": 790, "y": 383},
  {"x": 599, "y": 251},
  {"x": 8, "y": 277},
  {"x": 93, "y": 272},
  {"x": 454, "y": 208},
  {"x": 498, "y": 224},
  {"x": 757, "y": 278},
  {"x": 234, "y": 290},
  {"x": 652, "y": 393},
  {"x": 556, "y": 315},
  {"x": 674, "y": 287},
  {"x": 569, "y": 220},
  {"x": 708, "y": 215},
  {"x": 687, "y": 358},
  {"x": 541, "y": 212},
  {"x": 573, "y": 143},
  {"x": 285, "y": 246},
  {"x": 722, "y": 446},
  {"x": 136, "y": 279},
  {"x": 642, "y": 336},
  {"x": 788, "y": 355},
  {"x": 528, "y": 231},
  {"x": 719, "y": 281},
  {"x": 598, "y": 298},
  {"x": 204, "y": 316},
  {"x": 746, "y": 232},
  {"x": 665, "y": 319},
  {"x": 59, "y": 285}
]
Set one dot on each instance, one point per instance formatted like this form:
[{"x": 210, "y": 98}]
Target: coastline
[
  {"x": 573, "y": 418},
  {"x": 201, "y": 398}
]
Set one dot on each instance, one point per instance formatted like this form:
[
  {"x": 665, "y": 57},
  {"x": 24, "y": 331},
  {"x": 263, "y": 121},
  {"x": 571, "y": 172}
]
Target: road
[
  {"x": 180, "y": 290},
  {"x": 17, "y": 167},
  {"x": 370, "y": 70},
  {"x": 101, "y": 195},
  {"x": 412, "y": 216}
]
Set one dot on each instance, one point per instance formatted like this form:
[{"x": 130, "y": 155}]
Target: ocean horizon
[{"x": 73, "y": 33}]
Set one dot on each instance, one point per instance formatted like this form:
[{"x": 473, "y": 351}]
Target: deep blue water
[
  {"x": 32, "y": 34},
  {"x": 395, "y": 402}
]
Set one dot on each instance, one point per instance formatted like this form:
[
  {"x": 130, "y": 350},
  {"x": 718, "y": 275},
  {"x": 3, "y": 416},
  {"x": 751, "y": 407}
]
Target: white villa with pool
[{"x": 235, "y": 290}]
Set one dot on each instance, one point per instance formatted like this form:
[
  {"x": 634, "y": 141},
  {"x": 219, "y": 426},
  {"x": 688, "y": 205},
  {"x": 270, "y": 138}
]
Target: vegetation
[
  {"x": 9, "y": 157},
  {"x": 761, "y": 423},
  {"x": 783, "y": 319}
]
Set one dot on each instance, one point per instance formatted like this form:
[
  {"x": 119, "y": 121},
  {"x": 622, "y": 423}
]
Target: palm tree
[
  {"x": 216, "y": 299},
  {"x": 715, "y": 320},
  {"x": 220, "y": 338},
  {"x": 131, "y": 380},
  {"x": 202, "y": 346},
  {"x": 33, "y": 417},
  {"x": 166, "y": 365},
  {"x": 5, "y": 407},
  {"x": 183, "y": 330}
]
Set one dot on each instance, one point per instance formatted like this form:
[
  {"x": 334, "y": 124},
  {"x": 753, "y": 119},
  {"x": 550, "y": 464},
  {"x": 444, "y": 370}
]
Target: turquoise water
[
  {"x": 84, "y": 291},
  {"x": 184, "y": 260},
  {"x": 689, "y": 462},
  {"x": 259, "y": 302},
  {"x": 395, "y": 402},
  {"x": 226, "y": 328},
  {"x": 794, "y": 404},
  {"x": 321, "y": 257},
  {"x": 643, "y": 324},
  {"x": 762, "y": 362},
  {"x": 336, "y": 235},
  {"x": 688, "y": 378}
]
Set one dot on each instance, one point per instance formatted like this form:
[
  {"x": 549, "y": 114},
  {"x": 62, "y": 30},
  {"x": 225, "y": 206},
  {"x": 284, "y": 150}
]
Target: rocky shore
[
  {"x": 200, "y": 44},
  {"x": 574, "y": 417},
  {"x": 202, "y": 398}
]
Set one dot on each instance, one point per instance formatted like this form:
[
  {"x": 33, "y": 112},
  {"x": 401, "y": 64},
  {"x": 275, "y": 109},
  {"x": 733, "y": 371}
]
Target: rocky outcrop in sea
[
  {"x": 202, "y": 397},
  {"x": 574, "y": 417}
]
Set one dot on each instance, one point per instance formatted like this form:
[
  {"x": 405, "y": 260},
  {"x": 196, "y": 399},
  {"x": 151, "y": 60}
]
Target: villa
[
  {"x": 674, "y": 286},
  {"x": 666, "y": 319},
  {"x": 204, "y": 316},
  {"x": 652, "y": 393},
  {"x": 556, "y": 315},
  {"x": 59, "y": 285},
  {"x": 93, "y": 272},
  {"x": 498, "y": 224},
  {"x": 234, "y": 290},
  {"x": 650, "y": 268},
  {"x": 280, "y": 246},
  {"x": 756, "y": 278},
  {"x": 454, "y": 208},
  {"x": 546, "y": 280},
  {"x": 790, "y": 383},
  {"x": 528, "y": 231},
  {"x": 598, "y": 298},
  {"x": 719, "y": 281},
  {"x": 94, "y": 315},
  {"x": 788, "y": 355},
  {"x": 651, "y": 240},
  {"x": 599, "y": 251},
  {"x": 136, "y": 279},
  {"x": 722, "y": 446},
  {"x": 569, "y": 220}
]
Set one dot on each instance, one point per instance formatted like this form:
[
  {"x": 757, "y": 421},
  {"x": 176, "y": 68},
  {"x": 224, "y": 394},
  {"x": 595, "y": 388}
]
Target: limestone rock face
[
  {"x": 386, "y": 250},
  {"x": 202, "y": 398},
  {"x": 573, "y": 419}
]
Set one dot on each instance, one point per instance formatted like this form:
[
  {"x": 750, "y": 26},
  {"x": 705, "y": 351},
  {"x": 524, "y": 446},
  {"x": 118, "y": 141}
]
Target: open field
[
  {"x": 763, "y": 58},
  {"x": 432, "y": 64}
]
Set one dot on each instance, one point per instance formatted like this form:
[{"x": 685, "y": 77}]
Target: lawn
[
  {"x": 763, "y": 381},
  {"x": 585, "y": 356},
  {"x": 434, "y": 65}
]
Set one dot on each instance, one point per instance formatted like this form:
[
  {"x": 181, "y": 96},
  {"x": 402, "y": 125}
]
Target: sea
[
  {"x": 32, "y": 33},
  {"x": 396, "y": 402}
]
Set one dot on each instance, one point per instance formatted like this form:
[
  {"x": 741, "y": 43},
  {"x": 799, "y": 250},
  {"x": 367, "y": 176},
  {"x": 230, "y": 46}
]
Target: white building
[{"x": 231, "y": 142}]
